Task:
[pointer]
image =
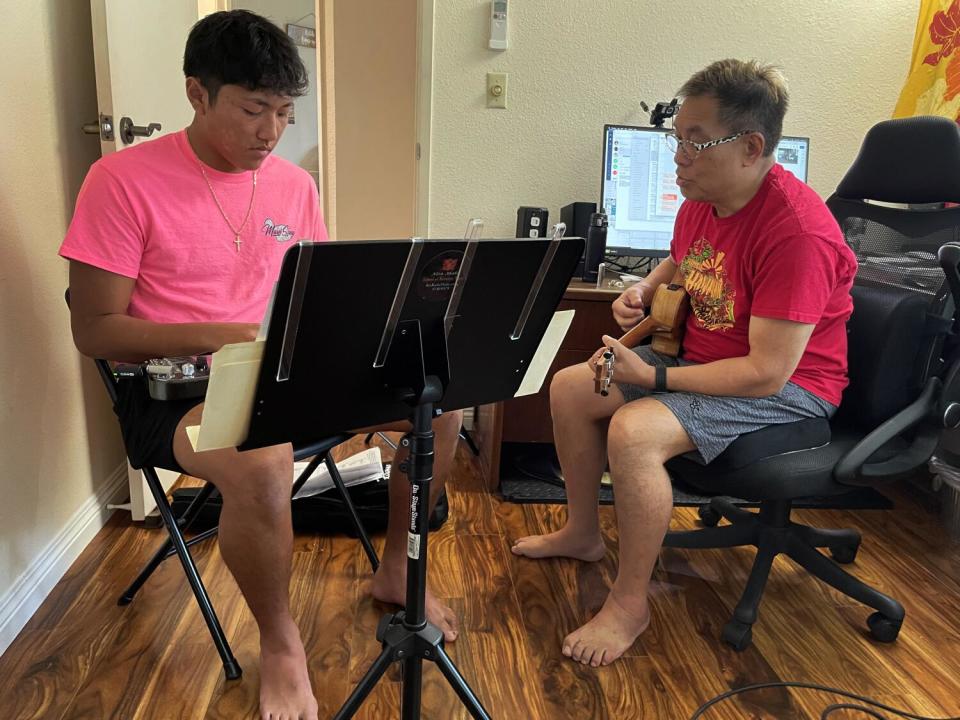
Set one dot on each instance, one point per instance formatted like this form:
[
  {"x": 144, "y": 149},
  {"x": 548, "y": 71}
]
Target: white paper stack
[{"x": 357, "y": 469}]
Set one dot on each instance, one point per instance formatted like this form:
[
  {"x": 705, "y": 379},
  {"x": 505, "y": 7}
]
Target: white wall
[
  {"x": 574, "y": 66},
  {"x": 299, "y": 141},
  {"x": 60, "y": 450}
]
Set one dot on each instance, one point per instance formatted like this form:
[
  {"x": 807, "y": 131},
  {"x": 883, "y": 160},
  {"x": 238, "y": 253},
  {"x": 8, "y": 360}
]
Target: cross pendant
[{"x": 237, "y": 241}]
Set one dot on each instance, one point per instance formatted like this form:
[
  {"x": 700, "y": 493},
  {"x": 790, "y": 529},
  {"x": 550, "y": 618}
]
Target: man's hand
[
  {"x": 628, "y": 367},
  {"x": 628, "y": 308}
]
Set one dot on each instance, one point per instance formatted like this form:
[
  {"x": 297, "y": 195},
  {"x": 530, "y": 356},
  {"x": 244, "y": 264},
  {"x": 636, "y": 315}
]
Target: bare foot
[
  {"x": 561, "y": 543},
  {"x": 608, "y": 635},
  {"x": 285, "y": 692},
  {"x": 390, "y": 586}
]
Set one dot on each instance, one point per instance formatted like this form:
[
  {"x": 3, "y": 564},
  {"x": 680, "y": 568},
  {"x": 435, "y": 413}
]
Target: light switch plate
[{"x": 497, "y": 90}]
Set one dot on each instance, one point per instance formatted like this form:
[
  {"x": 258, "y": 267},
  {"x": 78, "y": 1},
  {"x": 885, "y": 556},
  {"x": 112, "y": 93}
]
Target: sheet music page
[
  {"x": 543, "y": 358},
  {"x": 234, "y": 371},
  {"x": 363, "y": 467}
]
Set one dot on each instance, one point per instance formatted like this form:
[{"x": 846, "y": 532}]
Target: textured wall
[
  {"x": 58, "y": 438},
  {"x": 574, "y": 66}
]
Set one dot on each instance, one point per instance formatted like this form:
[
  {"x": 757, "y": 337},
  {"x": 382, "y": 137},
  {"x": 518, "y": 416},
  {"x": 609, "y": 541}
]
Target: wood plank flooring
[{"x": 82, "y": 656}]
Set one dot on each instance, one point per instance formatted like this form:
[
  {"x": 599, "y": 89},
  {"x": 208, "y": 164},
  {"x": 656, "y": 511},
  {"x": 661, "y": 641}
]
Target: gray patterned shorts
[{"x": 713, "y": 422}]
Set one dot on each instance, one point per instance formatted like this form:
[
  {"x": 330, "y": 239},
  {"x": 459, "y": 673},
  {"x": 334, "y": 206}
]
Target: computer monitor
[{"x": 639, "y": 187}]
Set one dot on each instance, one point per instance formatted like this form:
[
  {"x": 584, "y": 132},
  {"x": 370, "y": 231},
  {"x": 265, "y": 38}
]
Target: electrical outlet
[{"x": 497, "y": 90}]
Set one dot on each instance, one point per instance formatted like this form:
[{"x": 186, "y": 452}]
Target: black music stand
[{"x": 435, "y": 325}]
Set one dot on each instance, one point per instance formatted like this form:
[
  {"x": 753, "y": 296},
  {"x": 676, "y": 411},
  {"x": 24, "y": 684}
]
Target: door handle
[{"x": 128, "y": 130}]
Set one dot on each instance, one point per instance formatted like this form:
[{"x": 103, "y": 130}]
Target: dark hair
[
  {"x": 238, "y": 47},
  {"x": 751, "y": 96}
]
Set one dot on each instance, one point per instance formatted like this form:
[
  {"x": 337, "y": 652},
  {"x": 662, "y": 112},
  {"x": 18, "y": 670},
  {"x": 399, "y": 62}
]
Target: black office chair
[
  {"x": 176, "y": 544},
  {"x": 903, "y": 374}
]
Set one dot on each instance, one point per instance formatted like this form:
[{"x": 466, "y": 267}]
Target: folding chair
[{"x": 176, "y": 544}]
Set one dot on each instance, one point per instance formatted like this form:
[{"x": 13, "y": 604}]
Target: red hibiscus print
[
  {"x": 952, "y": 76},
  {"x": 945, "y": 32}
]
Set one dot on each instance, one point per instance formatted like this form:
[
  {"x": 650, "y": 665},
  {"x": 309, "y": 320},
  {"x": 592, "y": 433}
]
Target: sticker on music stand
[{"x": 439, "y": 276}]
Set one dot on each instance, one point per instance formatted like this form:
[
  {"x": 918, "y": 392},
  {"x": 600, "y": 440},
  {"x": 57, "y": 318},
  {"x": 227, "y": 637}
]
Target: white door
[{"x": 138, "y": 54}]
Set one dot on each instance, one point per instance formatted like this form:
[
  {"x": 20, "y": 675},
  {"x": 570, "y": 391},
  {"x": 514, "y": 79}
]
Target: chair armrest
[{"x": 853, "y": 469}]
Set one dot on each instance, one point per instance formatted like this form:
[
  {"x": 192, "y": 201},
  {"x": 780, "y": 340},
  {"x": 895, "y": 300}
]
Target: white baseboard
[{"x": 22, "y": 600}]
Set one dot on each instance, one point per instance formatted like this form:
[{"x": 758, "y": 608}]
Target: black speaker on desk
[
  {"x": 531, "y": 222},
  {"x": 595, "y": 247},
  {"x": 576, "y": 216}
]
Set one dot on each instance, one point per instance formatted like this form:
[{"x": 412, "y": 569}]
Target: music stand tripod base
[{"x": 406, "y": 636}]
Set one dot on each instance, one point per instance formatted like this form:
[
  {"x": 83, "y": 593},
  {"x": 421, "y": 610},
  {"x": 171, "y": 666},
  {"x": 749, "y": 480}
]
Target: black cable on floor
[{"x": 828, "y": 710}]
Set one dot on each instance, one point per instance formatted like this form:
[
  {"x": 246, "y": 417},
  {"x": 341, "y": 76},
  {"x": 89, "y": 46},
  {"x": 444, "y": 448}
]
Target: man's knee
[
  {"x": 635, "y": 433},
  {"x": 263, "y": 476},
  {"x": 566, "y": 384},
  {"x": 572, "y": 392}
]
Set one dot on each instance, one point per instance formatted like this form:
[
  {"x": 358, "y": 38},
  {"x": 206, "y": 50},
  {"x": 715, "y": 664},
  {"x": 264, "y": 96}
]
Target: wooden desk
[{"x": 527, "y": 419}]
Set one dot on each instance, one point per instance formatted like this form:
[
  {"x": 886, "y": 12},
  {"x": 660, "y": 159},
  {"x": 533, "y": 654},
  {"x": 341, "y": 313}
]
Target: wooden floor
[{"x": 82, "y": 656}]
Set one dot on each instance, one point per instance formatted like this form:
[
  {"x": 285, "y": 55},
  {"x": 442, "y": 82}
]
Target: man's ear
[
  {"x": 197, "y": 95},
  {"x": 754, "y": 147}
]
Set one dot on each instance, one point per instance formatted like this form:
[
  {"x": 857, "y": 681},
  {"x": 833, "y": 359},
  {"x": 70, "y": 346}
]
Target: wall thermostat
[{"x": 498, "y": 25}]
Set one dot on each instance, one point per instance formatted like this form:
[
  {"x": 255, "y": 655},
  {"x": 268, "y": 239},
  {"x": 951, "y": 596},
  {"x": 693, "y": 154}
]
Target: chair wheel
[
  {"x": 737, "y": 634},
  {"x": 844, "y": 554},
  {"x": 883, "y": 628},
  {"x": 708, "y": 516}
]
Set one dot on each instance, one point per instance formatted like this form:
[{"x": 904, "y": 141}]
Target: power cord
[{"x": 829, "y": 710}]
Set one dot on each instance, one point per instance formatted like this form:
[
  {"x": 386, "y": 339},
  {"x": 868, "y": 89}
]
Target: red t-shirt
[{"x": 780, "y": 256}]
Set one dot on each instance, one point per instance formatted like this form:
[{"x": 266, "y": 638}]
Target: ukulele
[{"x": 666, "y": 323}]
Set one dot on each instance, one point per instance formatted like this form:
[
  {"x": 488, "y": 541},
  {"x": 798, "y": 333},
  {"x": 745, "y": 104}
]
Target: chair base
[{"x": 773, "y": 533}]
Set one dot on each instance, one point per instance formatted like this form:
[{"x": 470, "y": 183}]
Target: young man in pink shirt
[
  {"x": 769, "y": 275},
  {"x": 174, "y": 248}
]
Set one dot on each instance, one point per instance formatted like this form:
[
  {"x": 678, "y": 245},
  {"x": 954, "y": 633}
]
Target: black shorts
[{"x": 148, "y": 426}]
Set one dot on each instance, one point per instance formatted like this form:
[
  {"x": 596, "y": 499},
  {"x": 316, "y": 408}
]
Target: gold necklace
[{"x": 236, "y": 231}]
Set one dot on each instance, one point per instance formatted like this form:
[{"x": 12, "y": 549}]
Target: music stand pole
[{"x": 406, "y": 636}]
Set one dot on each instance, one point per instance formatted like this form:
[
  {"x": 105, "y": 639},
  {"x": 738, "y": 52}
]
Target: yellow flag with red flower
[{"x": 933, "y": 85}]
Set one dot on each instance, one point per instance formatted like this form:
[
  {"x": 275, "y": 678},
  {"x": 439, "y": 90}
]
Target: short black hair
[
  {"x": 751, "y": 97},
  {"x": 238, "y": 47}
]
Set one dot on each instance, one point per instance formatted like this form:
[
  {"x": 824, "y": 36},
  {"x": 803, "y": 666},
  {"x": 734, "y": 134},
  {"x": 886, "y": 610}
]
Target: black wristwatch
[{"x": 660, "y": 378}]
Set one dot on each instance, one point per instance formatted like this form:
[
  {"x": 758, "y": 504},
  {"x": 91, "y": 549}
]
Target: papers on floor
[{"x": 355, "y": 470}]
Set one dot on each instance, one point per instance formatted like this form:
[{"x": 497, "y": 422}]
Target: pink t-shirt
[
  {"x": 147, "y": 213},
  {"x": 781, "y": 256}
]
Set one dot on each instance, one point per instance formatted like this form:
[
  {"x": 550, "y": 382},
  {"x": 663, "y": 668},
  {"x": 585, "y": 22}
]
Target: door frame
[
  {"x": 424, "y": 114},
  {"x": 326, "y": 113}
]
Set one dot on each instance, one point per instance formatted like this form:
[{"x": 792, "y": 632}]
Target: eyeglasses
[{"x": 691, "y": 150}]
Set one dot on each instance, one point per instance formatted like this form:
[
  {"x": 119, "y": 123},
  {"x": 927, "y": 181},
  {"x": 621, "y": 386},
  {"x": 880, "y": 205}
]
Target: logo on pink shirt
[{"x": 281, "y": 232}]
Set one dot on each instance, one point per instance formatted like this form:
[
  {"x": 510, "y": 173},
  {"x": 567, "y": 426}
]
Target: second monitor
[{"x": 639, "y": 187}]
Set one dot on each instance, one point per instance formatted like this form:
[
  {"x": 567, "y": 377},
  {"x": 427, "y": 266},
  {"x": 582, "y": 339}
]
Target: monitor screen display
[{"x": 639, "y": 187}]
